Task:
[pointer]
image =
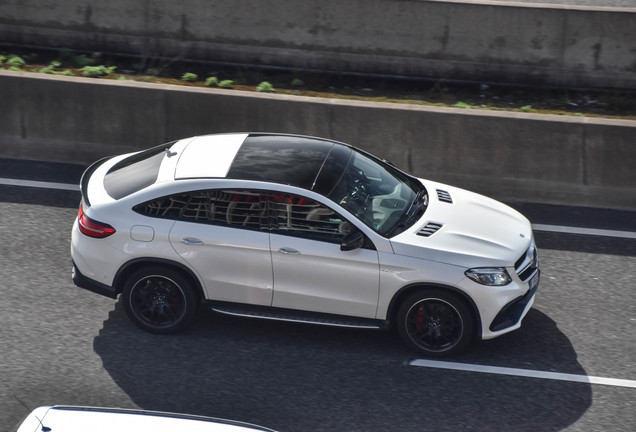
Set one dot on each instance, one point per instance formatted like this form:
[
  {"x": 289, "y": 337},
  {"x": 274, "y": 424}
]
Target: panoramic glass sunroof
[{"x": 280, "y": 159}]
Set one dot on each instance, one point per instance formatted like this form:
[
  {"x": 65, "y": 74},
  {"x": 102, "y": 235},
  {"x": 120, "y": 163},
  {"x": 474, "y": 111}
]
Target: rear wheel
[
  {"x": 159, "y": 300},
  {"x": 435, "y": 322}
]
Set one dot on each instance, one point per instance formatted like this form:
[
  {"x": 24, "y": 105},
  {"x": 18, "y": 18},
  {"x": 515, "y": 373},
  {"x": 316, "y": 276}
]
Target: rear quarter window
[
  {"x": 236, "y": 208},
  {"x": 135, "y": 172}
]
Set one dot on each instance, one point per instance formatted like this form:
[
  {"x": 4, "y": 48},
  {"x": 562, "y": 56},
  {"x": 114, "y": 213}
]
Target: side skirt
[{"x": 289, "y": 315}]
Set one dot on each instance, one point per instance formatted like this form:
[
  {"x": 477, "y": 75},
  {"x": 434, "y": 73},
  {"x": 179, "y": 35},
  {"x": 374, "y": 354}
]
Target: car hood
[{"x": 465, "y": 229}]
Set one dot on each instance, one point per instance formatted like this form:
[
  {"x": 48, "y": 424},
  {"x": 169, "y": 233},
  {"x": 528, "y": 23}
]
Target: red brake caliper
[{"x": 419, "y": 318}]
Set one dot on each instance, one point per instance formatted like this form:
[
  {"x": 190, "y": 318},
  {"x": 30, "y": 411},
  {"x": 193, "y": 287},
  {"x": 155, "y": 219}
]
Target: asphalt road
[{"x": 63, "y": 345}]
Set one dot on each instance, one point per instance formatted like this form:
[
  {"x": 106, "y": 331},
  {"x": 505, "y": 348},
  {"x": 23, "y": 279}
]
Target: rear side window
[
  {"x": 135, "y": 172},
  {"x": 219, "y": 207}
]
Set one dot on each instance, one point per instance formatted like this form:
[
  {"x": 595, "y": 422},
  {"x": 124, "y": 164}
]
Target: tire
[
  {"x": 435, "y": 322},
  {"x": 159, "y": 300}
]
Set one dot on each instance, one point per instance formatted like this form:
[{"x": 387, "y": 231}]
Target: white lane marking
[
  {"x": 536, "y": 227},
  {"x": 528, "y": 373},
  {"x": 586, "y": 231},
  {"x": 39, "y": 184}
]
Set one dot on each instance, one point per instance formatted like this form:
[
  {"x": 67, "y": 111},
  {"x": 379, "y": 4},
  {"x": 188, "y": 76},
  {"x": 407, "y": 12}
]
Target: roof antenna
[{"x": 44, "y": 428}]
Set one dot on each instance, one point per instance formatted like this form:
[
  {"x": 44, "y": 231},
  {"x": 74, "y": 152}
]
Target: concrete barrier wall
[
  {"x": 464, "y": 40},
  {"x": 510, "y": 156}
]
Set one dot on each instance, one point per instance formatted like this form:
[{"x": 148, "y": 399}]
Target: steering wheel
[{"x": 357, "y": 198}]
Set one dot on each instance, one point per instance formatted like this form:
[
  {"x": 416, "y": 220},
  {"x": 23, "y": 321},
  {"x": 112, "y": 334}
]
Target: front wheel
[
  {"x": 435, "y": 322},
  {"x": 159, "y": 300}
]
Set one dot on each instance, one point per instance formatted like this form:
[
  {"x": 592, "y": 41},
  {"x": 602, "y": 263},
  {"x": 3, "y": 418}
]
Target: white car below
[
  {"x": 301, "y": 229},
  {"x": 62, "y": 418}
]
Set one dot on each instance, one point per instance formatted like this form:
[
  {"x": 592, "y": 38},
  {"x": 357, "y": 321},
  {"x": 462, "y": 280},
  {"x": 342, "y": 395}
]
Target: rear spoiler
[{"x": 86, "y": 177}]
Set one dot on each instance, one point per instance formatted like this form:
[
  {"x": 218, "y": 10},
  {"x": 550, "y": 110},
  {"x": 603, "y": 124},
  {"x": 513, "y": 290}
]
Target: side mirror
[{"x": 352, "y": 241}]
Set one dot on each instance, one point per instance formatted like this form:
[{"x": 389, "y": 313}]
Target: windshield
[{"x": 381, "y": 196}]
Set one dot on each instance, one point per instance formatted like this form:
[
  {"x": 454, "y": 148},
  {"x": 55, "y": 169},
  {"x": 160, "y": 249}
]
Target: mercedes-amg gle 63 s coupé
[{"x": 300, "y": 229}]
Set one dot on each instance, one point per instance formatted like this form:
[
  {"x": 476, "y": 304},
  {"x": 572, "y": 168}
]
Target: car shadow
[{"x": 294, "y": 377}]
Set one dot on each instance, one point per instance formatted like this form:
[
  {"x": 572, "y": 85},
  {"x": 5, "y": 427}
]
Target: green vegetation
[
  {"x": 97, "y": 71},
  {"x": 578, "y": 102},
  {"x": 76, "y": 60},
  {"x": 52, "y": 69},
  {"x": 15, "y": 63},
  {"x": 82, "y": 61},
  {"x": 212, "y": 81},
  {"x": 189, "y": 77},
  {"x": 265, "y": 87}
]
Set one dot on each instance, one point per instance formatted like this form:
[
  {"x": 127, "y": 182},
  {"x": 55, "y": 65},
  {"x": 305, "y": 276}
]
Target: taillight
[{"x": 92, "y": 228}]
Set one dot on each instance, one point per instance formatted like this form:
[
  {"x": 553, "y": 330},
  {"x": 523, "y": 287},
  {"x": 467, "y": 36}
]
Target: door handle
[
  {"x": 191, "y": 241},
  {"x": 288, "y": 251}
]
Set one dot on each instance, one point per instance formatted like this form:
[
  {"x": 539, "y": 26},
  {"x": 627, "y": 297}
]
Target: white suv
[{"x": 300, "y": 229}]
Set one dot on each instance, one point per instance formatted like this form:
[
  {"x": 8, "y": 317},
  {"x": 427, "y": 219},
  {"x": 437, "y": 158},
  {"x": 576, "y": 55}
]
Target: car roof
[
  {"x": 288, "y": 159},
  {"x": 77, "y": 418}
]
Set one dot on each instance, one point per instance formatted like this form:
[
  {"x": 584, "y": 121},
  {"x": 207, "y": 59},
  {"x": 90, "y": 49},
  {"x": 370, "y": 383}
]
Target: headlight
[{"x": 495, "y": 276}]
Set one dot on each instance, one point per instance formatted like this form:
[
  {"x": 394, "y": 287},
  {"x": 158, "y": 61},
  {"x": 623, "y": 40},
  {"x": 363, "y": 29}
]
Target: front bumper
[{"x": 513, "y": 312}]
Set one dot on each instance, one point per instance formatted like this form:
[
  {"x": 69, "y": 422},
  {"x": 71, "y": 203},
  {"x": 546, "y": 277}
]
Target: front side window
[
  {"x": 303, "y": 217},
  {"x": 382, "y": 197}
]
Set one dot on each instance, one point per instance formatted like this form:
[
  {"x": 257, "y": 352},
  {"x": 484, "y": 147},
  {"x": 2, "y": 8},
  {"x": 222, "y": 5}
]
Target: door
[
  {"x": 219, "y": 234},
  {"x": 310, "y": 271}
]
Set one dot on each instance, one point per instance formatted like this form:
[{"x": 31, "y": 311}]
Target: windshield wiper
[
  {"x": 417, "y": 207},
  {"x": 419, "y": 203}
]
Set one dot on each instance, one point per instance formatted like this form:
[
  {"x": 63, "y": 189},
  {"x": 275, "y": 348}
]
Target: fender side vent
[
  {"x": 429, "y": 229},
  {"x": 444, "y": 196}
]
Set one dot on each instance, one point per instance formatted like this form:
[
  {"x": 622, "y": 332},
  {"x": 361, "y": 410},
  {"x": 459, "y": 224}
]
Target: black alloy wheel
[
  {"x": 159, "y": 300},
  {"x": 435, "y": 322}
]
